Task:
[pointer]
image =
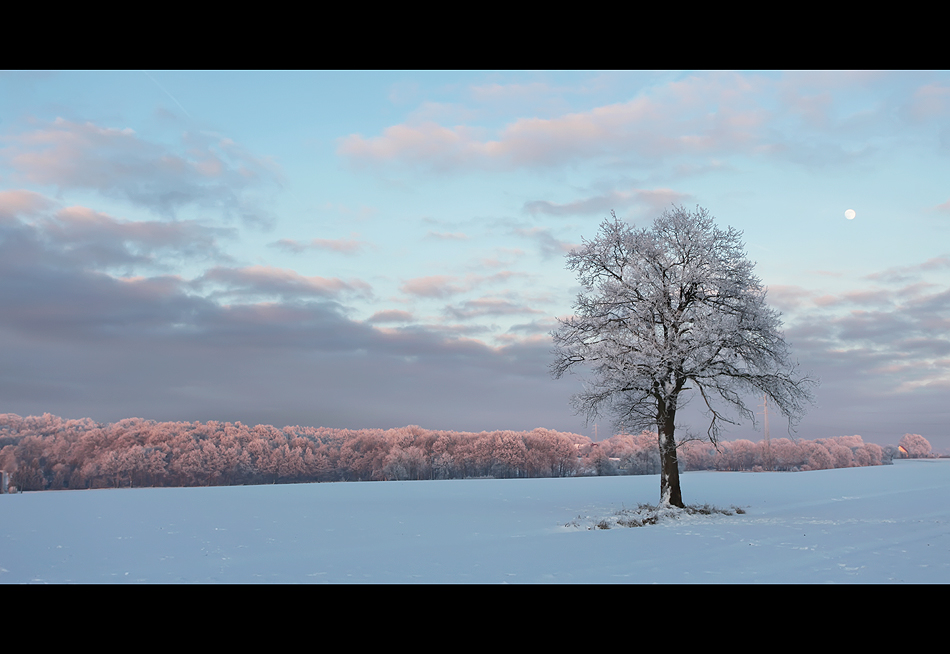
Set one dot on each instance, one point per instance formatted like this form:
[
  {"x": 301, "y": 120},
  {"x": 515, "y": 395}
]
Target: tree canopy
[{"x": 667, "y": 306}]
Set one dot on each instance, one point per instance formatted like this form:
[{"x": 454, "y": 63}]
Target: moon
[{"x": 849, "y": 214}]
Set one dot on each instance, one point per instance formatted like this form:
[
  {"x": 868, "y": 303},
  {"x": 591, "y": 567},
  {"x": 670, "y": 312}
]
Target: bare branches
[{"x": 674, "y": 303}]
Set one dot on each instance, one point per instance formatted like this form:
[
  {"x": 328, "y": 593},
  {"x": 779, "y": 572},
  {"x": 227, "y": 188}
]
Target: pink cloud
[
  {"x": 81, "y": 223},
  {"x": 929, "y": 101},
  {"x": 826, "y": 300},
  {"x": 19, "y": 202},
  {"x": 674, "y": 120},
  {"x": 207, "y": 171},
  {"x": 439, "y": 286},
  {"x": 91, "y": 238},
  {"x": 427, "y": 141},
  {"x": 434, "y": 286},
  {"x": 872, "y": 297},
  {"x": 278, "y": 281}
]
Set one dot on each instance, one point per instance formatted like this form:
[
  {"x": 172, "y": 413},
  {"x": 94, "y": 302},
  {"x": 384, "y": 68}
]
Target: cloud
[
  {"x": 441, "y": 286},
  {"x": 426, "y": 142},
  {"x": 548, "y": 244},
  {"x": 15, "y": 203},
  {"x": 252, "y": 343},
  {"x": 93, "y": 240},
  {"x": 902, "y": 274},
  {"x": 269, "y": 281},
  {"x": 786, "y": 298},
  {"x": 880, "y": 348},
  {"x": 812, "y": 119},
  {"x": 487, "y": 306},
  {"x": 104, "y": 240},
  {"x": 929, "y": 101},
  {"x": 435, "y": 286},
  {"x": 676, "y": 119},
  {"x": 543, "y": 326},
  {"x": 447, "y": 236},
  {"x": 392, "y": 315},
  {"x": 886, "y": 339},
  {"x": 654, "y": 199},
  {"x": 341, "y": 245},
  {"x": 208, "y": 171},
  {"x": 48, "y": 295}
]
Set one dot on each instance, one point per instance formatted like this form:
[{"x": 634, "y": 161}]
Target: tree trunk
[{"x": 669, "y": 465}]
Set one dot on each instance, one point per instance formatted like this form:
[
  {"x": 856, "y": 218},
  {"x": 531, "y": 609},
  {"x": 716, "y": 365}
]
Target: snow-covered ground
[{"x": 878, "y": 524}]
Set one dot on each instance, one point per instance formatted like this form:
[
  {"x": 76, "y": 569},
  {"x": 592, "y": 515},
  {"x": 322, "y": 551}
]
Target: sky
[{"x": 358, "y": 249}]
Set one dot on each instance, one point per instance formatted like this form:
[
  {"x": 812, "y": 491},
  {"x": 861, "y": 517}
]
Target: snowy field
[{"x": 854, "y": 525}]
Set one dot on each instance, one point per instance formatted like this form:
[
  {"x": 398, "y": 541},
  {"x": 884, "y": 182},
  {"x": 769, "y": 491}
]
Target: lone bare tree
[{"x": 668, "y": 306}]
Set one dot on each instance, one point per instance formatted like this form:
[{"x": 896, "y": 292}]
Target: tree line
[{"x": 52, "y": 453}]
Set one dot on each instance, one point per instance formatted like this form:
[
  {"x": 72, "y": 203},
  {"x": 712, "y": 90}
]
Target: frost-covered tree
[
  {"x": 672, "y": 308},
  {"x": 915, "y": 446}
]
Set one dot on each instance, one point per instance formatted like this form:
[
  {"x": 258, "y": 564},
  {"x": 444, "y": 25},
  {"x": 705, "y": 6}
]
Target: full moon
[{"x": 849, "y": 214}]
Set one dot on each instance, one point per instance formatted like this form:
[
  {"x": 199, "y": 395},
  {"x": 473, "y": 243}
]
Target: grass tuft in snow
[{"x": 647, "y": 514}]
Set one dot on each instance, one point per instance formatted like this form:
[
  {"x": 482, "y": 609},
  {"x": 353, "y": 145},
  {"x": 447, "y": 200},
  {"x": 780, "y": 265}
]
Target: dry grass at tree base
[{"x": 647, "y": 514}]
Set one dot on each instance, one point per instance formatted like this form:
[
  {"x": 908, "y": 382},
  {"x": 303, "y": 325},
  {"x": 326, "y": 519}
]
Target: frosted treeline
[{"x": 51, "y": 453}]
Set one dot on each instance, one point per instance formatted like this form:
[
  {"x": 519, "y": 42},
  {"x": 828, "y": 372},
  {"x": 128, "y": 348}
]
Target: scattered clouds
[
  {"x": 434, "y": 286},
  {"x": 655, "y": 200},
  {"x": 505, "y": 257},
  {"x": 543, "y": 326},
  {"x": 674, "y": 120},
  {"x": 929, "y": 101},
  {"x": 787, "y": 298},
  {"x": 341, "y": 245},
  {"x": 15, "y": 203},
  {"x": 93, "y": 240},
  {"x": 546, "y": 242},
  {"x": 86, "y": 286},
  {"x": 801, "y": 117},
  {"x": 100, "y": 239},
  {"x": 890, "y": 339},
  {"x": 447, "y": 236},
  {"x": 487, "y": 306},
  {"x": 442, "y": 286},
  {"x": 270, "y": 281},
  {"x": 903, "y": 274},
  {"x": 206, "y": 171},
  {"x": 392, "y": 315}
]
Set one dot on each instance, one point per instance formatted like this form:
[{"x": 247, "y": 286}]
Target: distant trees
[
  {"x": 915, "y": 446},
  {"x": 50, "y": 453}
]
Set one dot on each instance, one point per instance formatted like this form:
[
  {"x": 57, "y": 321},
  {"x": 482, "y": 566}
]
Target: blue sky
[{"x": 376, "y": 249}]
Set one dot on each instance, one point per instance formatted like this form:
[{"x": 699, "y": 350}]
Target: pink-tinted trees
[
  {"x": 915, "y": 446},
  {"x": 51, "y": 453}
]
